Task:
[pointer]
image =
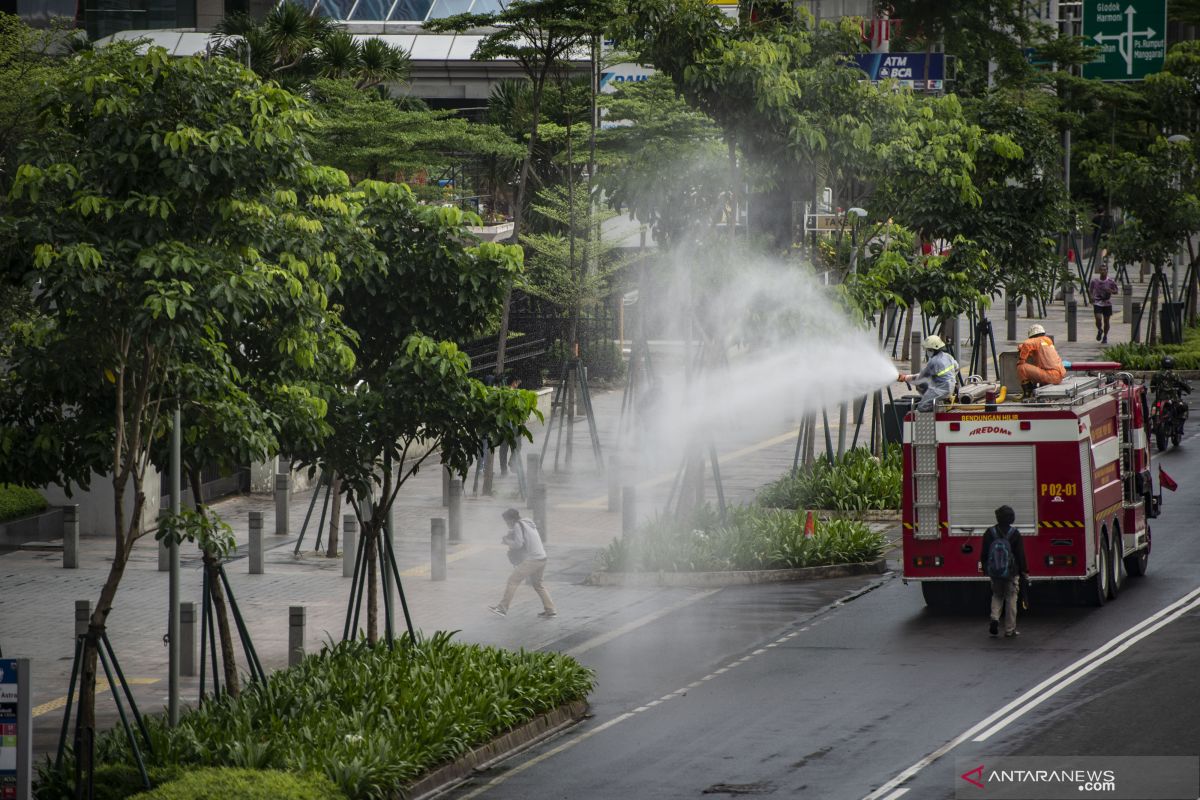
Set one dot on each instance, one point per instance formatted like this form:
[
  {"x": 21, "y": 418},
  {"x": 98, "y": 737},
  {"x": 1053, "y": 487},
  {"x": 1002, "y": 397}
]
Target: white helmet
[
  {"x": 933, "y": 343},
  {"x": 1036, "y": 330}
]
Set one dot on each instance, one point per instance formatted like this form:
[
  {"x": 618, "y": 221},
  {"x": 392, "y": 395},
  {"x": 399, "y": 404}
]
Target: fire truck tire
[
  {"x": 1138, "y": 563},
  {"x": 1116, "y": 562},
  {"x": 938, "y": 595},
  {"x": 1095, "y": 589}
]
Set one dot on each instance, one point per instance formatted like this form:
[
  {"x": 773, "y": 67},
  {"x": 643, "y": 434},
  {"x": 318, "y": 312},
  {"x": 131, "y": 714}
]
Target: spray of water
[{"x": 769, "y": 344}]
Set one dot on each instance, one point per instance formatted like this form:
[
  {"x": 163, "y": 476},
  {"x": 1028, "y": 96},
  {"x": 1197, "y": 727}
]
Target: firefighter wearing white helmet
[
  {"x": 1038, "y": 362},
  {"x": 936, "y": 380}
]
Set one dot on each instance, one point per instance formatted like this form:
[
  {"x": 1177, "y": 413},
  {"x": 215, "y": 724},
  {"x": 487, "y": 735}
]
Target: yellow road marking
[
  {"x": 602, "y": 501},
  {"x": 101, "y": 686},
  {"x": 423, "y": 569}
]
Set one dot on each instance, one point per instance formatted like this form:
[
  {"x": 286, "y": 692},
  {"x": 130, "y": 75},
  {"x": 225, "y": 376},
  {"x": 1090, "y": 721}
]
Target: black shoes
[{"x": 994, "y": 627}]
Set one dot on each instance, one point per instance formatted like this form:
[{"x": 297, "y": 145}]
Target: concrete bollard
[
  {"x": 1010, "y": 319},
  {"x": 915, "y": 366},
  {"x": 295, "y": 635},
  {"x": 1136, "y": 322},
  {"x": 1072, "y": 321},
  {"x": 83, "y": 616},
  {"x": 282, "y": 483},
  {"x": 614, "y": 482},
  {"x": 187, "y": 639},
  {"x": 628, "y": 511},
  {"x": 349, "y": 544},
  {"x": 71, "y": 537},
  {"x": 437, "y": 549},
  {"x": 445, "y": 486},
  {"x": 256, "y": 543},
  {"x": 950, "y": 335},
  {"x": 456, "y": 499},
  {"x": 164, "y": 551},
  {"x": 539, "y": 511},
  {"x": 1127, "y": 302},
  {"x": 533, "y": 469}
]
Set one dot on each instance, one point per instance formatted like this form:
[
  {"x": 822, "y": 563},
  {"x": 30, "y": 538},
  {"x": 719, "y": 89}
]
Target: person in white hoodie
[{"x": 528, "y": 557}]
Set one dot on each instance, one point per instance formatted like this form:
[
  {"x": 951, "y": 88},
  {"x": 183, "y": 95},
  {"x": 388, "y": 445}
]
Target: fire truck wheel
[
  {"x": 938, "y": 596},
  {"x": 1138, "y": 563},
  {"x": 1116, "y": 562},
  {"x": 1096, "y": 588}
]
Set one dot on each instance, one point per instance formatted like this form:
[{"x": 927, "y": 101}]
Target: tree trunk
[
  {"x": 733, "y": 179},
  {"x": 217, "y": 593},
  {"x": 335, "y": 510},
  {"x": 85, "y": 734},
  {"x": 372, "y": 592},
  {"x": 221, "y": 612},
  {"x": 518, "y": 214},
  {"x": 905, "y": 350}
]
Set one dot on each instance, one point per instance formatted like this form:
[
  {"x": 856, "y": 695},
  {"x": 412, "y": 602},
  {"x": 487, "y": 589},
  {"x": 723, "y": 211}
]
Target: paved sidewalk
[{"x": 37, "y": 596}]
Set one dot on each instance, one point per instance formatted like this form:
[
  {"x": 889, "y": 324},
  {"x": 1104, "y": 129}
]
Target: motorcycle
[{"x": 1167, "y": 416}]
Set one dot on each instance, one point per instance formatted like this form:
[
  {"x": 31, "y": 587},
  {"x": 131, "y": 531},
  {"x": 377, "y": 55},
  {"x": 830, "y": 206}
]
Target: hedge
[
  {"x": 1141, "y": 356},
  {"x": 369, "y": 718},
  {"x": 224, "y": 783},
  {"x": 855, "y": 481},
  {"x": 750, "y": 538},
  {"x": 17, "y": 502}
]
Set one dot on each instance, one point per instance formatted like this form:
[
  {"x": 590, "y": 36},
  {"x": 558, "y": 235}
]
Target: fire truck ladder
[
  {"x": 1128, "y": 473},
  {"x": 925, "y": 475}
]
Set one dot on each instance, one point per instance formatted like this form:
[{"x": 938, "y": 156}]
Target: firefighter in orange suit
[{"x": 1038, "y": 362}]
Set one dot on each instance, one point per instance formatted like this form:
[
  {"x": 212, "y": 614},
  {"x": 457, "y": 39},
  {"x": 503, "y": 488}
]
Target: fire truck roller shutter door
[
  {"x": 1089, "y": 522},
  {"x": 984, "y": 477}
]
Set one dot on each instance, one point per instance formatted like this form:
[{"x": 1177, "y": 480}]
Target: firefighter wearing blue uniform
[{"x": 936, "y": 381}]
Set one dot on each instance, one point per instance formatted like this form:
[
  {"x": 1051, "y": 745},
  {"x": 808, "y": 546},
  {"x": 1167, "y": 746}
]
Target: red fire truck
[{"x": 1073, "y": 462}]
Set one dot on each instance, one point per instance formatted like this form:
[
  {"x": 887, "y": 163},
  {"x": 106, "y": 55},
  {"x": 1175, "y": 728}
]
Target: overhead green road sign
[{"x": 1131, "y": 35}]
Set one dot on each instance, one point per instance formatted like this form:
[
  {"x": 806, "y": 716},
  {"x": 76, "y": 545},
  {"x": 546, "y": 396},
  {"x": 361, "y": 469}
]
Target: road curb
[
  {"x": 734, "y": 578},
  {"x": 500, "y": 748}
]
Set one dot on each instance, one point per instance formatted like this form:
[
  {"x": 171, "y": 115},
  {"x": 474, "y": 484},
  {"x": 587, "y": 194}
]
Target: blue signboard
[
  {"x": 15, "y": 729},
  {"x": 925, "y": 71}
]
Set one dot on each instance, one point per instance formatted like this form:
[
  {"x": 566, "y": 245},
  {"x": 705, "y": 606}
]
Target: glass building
[{"x": 412, "y": 12}]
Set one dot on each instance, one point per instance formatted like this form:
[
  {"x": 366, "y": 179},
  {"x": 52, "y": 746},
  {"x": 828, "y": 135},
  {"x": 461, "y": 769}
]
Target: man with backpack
[
  {"x": 1002, "y": 557},
  {"x": 528, "y": 557}
]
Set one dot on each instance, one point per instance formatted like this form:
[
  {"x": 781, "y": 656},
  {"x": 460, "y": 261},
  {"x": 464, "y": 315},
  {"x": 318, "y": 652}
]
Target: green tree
[
  {"x": 292, "y": 46},
  {"x": 409, "y": 394},
  {"x": 539, "y": 35},
  {"x": 369, "y": 136},
  {"x": 662, "y": 162},
  {"x": 161, "y": 202}
]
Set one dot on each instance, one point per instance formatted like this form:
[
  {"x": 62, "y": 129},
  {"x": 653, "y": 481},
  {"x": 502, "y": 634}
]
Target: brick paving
[{"x": 37, "y": 596}]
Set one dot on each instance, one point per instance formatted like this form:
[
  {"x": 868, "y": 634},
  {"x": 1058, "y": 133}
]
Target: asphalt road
[{"x": 769, "y": 691}]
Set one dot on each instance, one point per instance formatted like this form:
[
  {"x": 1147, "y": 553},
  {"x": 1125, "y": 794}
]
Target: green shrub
[
  {"x": 17, "y": 502},
  {"x": 368, "y": 718},
  {"x": 1141, "y": 356},
  {"x": 244, "y": 784},
  {"x": 855, "y": 482},
  {"x": 750, "y": 538}
]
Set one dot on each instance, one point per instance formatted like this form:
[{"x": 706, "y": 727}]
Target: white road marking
[
  {"x": 1132, "y": 640},
  {"x": 605, "y": 638},
  {"x": 882, "y": 792},
  {"x": 897, "y": 793}
]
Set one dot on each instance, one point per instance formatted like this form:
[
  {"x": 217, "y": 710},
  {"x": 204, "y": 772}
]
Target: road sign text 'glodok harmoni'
[{"x": 1131, "y": 36}]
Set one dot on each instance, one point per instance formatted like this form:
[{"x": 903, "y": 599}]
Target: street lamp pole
[{"x": 173, "y": 579}]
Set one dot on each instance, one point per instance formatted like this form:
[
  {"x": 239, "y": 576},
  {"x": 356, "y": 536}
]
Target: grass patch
[
  {"x": 857, "y": 481},
  {"x": 1141, "y": 356},
  {"x": 367, "y": 718},
  {"x": 17, "y": 502},
  {"x": 243, "y": 784},
  {"x": 751, "y": 538}
]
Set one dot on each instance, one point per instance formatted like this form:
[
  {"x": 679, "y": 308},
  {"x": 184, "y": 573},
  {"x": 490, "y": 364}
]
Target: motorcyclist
[
  {"x": 1166, "y": 384},
  {"x": 936, "y": 380}
]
